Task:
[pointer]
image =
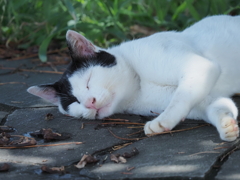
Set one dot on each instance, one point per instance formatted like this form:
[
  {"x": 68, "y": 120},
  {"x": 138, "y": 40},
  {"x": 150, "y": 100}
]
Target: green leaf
[
  {"x": 70, "y": 8},
  {"x": 180, "y": 9},
  {"x": 42, "y": 53}
]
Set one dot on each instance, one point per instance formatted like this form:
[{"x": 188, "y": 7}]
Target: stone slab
[
  {"x": 231, "y": 168},
  {"x": 15, "y": 94},
  {"x": 31, "y": 159},
  {"x": 188, "y": 154}
]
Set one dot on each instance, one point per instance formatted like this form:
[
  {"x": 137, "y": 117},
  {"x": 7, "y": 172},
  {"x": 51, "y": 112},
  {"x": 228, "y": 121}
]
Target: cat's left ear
[
  {"x": 46, "y": 92},
  {"x": 79, "y": 46}
]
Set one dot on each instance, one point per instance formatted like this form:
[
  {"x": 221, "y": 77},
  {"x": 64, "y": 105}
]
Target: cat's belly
[{"x": 152, "y": 98}]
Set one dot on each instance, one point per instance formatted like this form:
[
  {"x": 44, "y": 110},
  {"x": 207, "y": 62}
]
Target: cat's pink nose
[{"x": 91, "y": 103}]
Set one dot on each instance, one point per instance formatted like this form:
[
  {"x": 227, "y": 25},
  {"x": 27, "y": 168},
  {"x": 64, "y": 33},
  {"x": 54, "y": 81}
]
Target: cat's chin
[{"x": 104, "y": 112}]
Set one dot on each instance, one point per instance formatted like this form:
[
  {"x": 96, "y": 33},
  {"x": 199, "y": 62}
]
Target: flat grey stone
[
  {"x": 231, "y": 168},
  {"x": 186, "y": 154},
  {"x": 30, "y": 160},
  {"x": 3, "y": 114},
  {"x": 15, "y": 94}
]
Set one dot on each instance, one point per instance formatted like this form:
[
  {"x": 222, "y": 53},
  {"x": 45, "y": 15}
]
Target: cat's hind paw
[
  {"x": 154, "y": 126},
  {"x": 228, "y": 130}
]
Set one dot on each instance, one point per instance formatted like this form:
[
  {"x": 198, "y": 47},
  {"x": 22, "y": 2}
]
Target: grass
[{"x": 27, "y": 23}]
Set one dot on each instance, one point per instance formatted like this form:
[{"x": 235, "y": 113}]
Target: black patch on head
[
  {"x": 63, "y": 87},
  {"x": 63, "y": 90},
  {"x": 101, "y": 58}
]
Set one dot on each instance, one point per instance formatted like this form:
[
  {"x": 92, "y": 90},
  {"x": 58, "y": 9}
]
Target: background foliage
[{"x": 26, "y": 23}]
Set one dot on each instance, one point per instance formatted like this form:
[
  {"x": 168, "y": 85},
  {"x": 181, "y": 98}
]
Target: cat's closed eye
[{"x": 87, "y": 86}]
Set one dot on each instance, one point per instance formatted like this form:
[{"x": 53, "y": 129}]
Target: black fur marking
[
  {"x": 63, "y": 90},
  {"x": 63, "y": 87},
  {"x": 101, "y": 58}
]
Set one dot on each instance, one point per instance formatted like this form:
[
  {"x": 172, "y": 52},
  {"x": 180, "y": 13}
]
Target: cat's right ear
[
  {"x": 46, "y": 92},
  {"x": 79, "y": 46}
]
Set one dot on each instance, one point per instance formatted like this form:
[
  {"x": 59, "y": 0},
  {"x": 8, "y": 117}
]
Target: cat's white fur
[{"x": 188, "y": 74}]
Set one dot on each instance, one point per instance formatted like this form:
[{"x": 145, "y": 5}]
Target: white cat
[{"x": 188, "y": 74}]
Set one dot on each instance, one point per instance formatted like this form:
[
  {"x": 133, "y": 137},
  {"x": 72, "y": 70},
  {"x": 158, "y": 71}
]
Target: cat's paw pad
[
  {"x": 229, "y": 130},
  {"x": 154, "y": 126}
]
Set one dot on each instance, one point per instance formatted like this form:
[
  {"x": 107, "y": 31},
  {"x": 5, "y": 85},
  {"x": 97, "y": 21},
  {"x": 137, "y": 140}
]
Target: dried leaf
[
  {"x": 6, "y": 129},
  {"x": 114, "y": 158},
  {"x": 22, "y": 141},
  {"x": 53, "y": 170},
  {"x": 81, "y": 164},
  {"x": 133, "y": 153},
  {"x": 49, "y": 135},
  {"x": 122, "y": 159},
  {"x": 49, "y": 116},
  {"x": 86, "y": 159},
  {"x": 5, "y": 167},
  {"x": 4, "y": 139},
  {"x": 127, "y": 155}
]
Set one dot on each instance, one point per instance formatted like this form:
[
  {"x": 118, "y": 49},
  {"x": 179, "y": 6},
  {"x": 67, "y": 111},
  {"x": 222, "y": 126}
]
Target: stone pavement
[{"x": 190, "y": 154}]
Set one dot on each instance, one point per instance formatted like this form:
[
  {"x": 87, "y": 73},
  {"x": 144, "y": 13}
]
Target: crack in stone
[{"x": 216, "y": 167}]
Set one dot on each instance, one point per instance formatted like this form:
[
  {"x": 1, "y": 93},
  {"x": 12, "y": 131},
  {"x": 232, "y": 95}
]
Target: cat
[{"x": 189, "y": 74}]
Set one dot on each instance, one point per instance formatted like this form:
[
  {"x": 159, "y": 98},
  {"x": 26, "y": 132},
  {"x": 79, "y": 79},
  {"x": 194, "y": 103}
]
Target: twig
[
  {"x": 135, "y": 133},
  {"x": 220, "y": 148},
  {"x": 204, "y": 152},
  {"x": 46, "y": 145},
  {"x": 121, "y": 146},
  {"x": 230, "y": 152},
  {"x": 127, "y": 139},
  {"x": 180, "y": 130},
  {"x": 135, "y": 127},
  {"x": 30, "y": 70},
  {"x": 82, "y": 127},
  {"x": 13, "y": 83},
  {"x": 125, "y": 123},
  {"x": 110, "y": 119},
  {"x": 130, "y": 168}
]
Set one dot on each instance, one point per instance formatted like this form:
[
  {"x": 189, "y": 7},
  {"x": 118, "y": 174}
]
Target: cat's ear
[
  {"x": 79, "y": 46},
  {"x": 46, "y": 92}
]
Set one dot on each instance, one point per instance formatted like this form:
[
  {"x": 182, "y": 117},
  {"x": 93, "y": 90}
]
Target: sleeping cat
[{"x": 188, "y": 74}]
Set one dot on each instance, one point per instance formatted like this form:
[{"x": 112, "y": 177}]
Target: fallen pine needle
[
  {"x": 204, "y": 152},
  {"x": 31, "y": 70},
  {"x": 230, "y": 152},
  {"x": 131, "y": 168},
  {"x": 125, "y": 123},
  {"x": 13, "y": 83},
  {"x": 180, "y": 130},
  {"x": 221, "y": 147},
  {"x": 135, "y": 133},
  {"x": 42, "y": 145},
  {"x": 127, "y": 139},
  {"x": 120, "y": 146},
  {"x": 110, "y": 119},
  {"x": 132, "y": 127},
  {"x": 82, "y": 127}
]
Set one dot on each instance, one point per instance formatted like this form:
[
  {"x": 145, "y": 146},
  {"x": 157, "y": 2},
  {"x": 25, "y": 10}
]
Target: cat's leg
[
  {"x": 196, "y": 81},
  {"x": 222, "y": 113}
]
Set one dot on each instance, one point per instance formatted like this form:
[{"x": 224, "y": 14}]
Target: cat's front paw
[
  {"x": 229, "y": 130},
  {"x": 154, "y": 126}
]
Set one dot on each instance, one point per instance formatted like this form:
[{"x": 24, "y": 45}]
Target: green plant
[{"x": 106, "y": 22}]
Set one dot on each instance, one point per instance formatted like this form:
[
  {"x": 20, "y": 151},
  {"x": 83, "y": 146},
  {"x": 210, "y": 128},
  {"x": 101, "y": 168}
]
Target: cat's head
[{"x": 92, "y": 85}]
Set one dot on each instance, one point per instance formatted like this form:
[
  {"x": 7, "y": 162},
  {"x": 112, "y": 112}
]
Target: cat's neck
[{"x": 131, "y": 89}]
